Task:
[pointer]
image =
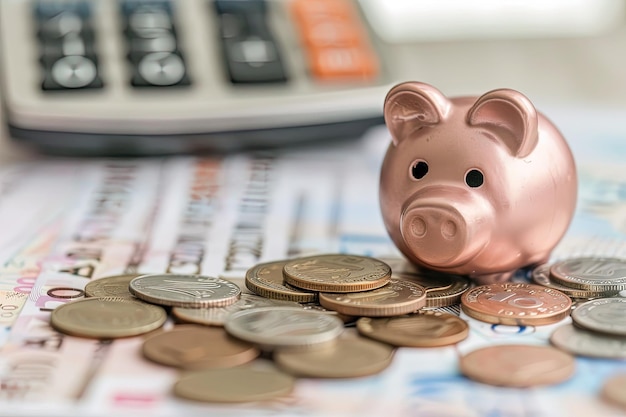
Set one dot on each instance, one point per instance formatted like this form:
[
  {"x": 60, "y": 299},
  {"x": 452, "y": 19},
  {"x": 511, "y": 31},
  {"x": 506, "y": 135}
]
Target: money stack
[{"x": 298, "y": 310}]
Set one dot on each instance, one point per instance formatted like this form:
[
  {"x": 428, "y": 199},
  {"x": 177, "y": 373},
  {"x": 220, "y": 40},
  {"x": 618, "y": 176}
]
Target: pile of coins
[{"x": 299, "y": 309}]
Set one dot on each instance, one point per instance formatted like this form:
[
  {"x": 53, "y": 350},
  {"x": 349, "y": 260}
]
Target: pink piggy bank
[{"x": 474, "y": 186}]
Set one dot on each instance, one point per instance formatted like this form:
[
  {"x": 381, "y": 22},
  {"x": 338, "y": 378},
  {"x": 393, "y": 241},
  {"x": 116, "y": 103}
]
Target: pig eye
[
  {"x": 419, "y": 169},
  {"x": 474, "y": 178}
]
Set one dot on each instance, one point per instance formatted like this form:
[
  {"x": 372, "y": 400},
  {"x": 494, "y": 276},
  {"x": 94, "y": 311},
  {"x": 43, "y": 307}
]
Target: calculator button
[
  {"x": 341, "y": 63},
  {"x": 46, "y": 9},
  {"x": 240, "y": 6},
  {"x": 72, "y": 44},
  {"x": 160, "y": 69},
  {"x": 72, "y": 72},
  {"x": 307, "y": 10},
  {"x": 253, "y": 60},
  {"x": 61, "y": 24},
  {"x": 331, "y": 32}
]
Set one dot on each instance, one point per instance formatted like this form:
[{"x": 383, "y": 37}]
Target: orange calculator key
[
  {"x": 308, "y": 10},
  {"x": 331, "y": 32},
  {"x": 342, "y": 63}
]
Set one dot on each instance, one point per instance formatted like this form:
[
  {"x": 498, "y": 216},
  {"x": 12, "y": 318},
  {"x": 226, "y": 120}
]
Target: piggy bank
[{"x": 478, "y": 186}]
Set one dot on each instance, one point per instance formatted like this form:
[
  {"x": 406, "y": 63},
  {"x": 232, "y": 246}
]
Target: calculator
[{"x": 150, "y": 77}]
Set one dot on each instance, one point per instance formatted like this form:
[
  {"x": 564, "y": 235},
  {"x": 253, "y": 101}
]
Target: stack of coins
[
  {"x": 296, "y": 315},
  {"x": 583, "y": 278}
]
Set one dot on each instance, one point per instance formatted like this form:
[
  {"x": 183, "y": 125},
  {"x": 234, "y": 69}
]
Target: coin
[
  {"x": 114, "y": 286},
  {"x": 614, "y": 390},
  {"x": 216, "y": 316},
  {"x": 191, "y": 291},
  {"x": 107, "y": 318},
  {"x": 283, "y": 326},
  {"x": 348, "y": 358},
  {"x": 442, "y": 290},
  {"x": 516, "y": 304},
  {"x": 585, "y": 343},
  {"x": 597, "y": 274},
  {"x": 197, "y": 347},
  {"x": 541, "y": 276},
  {"x": 231, "y": 385},
  {"x": 606, "y": 315},
  {"x": 518, "y": 366},
  {"x": 427, "y": 329},
  {"x": 337, "y": 273},
  {"x": 395, "y": 298},
  {"x": 267, "y": 280}
]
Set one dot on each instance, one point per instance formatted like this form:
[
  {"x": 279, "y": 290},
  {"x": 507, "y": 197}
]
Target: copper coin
[
  {"x": 348, "y": 358},
  {"x": 596, "y": 274},
  {"x": 541, "y": 276},
  {"x": 518, "y": 365},
  {"x": 516, "y": 304},
  {"x": 395, "y": 298},
  {"x": 267, "y": 281},
  {"x": 115, "y": 286},
  {"x": 337, "y": 273},
  {"x": 614, "y": 390},
  {"x": 198, "y": 347},
  {"x": 427, "y": 329},
  {"x": 234, "y": 385}
]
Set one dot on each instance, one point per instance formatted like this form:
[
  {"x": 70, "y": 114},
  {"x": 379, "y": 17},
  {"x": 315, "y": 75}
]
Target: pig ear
[
  {"x": 411, "y": 106},
  {"x": 510, "y": 117}
]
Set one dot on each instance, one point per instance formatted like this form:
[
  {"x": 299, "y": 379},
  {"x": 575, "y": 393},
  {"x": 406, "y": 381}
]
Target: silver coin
[
  {"x": 585, "y": 343},
  {"x": 603, "y": 274},
  {"x": 606, "y": 315},
  {"x": 191, "y": 291},
  {"x": 217, "y": 316},
  {"x": 283, "y": 327},
  {"x": 541, "y": 275}
]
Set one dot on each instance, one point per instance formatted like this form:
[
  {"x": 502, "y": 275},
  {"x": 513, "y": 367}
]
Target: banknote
[{"x": 223, "y": 215}]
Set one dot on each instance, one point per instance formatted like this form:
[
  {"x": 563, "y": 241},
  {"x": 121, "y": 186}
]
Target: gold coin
[
  {"x": 427, "y": 329},
  {"x": 518, "y": 366},
  {"x": 337, "y": 273},
  {"x": 267, "y": 281},
  {"x": 442, "y": 290},
  {"x": 234, "y": 385},
  {"x": 114, "y": 286},
  {"x": 348, "y": 358},
  {"x": 614, "y": 390},
  {"x": 393, "y": 299},
  {"x": 107, "y": 318},
  {"x": 516, "y": 304},
  {"x": 197, "y": 347}
]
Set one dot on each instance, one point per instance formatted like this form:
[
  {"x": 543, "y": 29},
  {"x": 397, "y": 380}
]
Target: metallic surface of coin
[
  {"x": 582, "y": 342},
  {"x": 197, "y": 347},
  {"x": 267, "y": 281},
  {"x": 395, "y": 298},
  {"x": 614, "y": 390},
  {"x": 216, "y": 316},
  {"x": 232, "y": 385},
  {"x": 115, "y": 286},
  {"x": 442, "y": 290},
  {"x": 283, "y": 326},
  {"x": 596, "y": 274},
  {"x": 337, "y": 273},
  {"x": 428, "y": 329},
  {"x": 541, "y": 276},
  {"x": 191, "y": 291},
  {"x": 517, "y": 365},
  {"x": 605, "y": 315},
  {"x": 107, "y": 318},
  {"x": 516, "y": 304},
  {"x": 348, "y": 358}
]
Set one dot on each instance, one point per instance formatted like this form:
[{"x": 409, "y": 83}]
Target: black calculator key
[
  {"x": 253, "y": 60},
  {"x": 72, "y": 72},
  {"x": 130, "y": 6},
  {"x": 46, "y": 9},
  {"x": 71, "y": 44},
  {"x": 160, "y": 69},
  {"x": 240, "y": 6},
  {"x": 233, "y": 25},
  {"x": 138, "y": 47}
]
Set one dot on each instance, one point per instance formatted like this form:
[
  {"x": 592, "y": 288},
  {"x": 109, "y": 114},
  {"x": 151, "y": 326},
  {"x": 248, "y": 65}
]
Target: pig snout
[{"x": 446, "y": 227}]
